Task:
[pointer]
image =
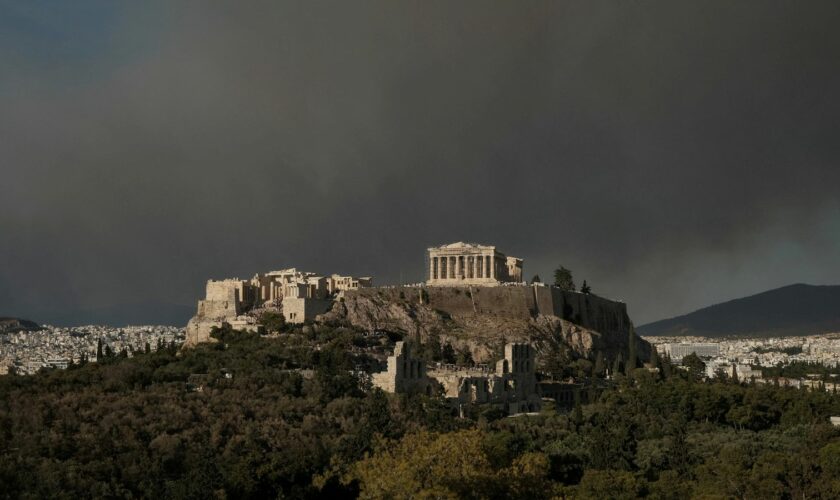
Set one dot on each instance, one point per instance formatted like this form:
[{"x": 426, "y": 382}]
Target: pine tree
[
  {"x": 99, "y": 349},
  {"x": 734, "y": 374},
  {"x": 654, "y": 358},
  {"x": 585, "y": 289},
  {"x": 109, "y": 353},
  {"x": 147, "y": 349}
]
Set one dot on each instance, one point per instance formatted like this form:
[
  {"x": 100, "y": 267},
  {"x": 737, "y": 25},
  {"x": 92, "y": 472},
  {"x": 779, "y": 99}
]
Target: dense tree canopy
[{"x": 295, "y": 416}]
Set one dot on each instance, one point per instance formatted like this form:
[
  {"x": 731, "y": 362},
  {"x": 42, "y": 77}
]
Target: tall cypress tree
[
  {"x": 631, "y": 355},
  {"x": 600, "y": 364},
  {"x": 618, "y": 364},
  {"x": 666, "y": 366},
  {"x": 99, "y": 349}
]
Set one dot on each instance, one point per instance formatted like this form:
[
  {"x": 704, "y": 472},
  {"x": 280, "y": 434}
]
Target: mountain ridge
[
  {"x": 10, "y": 325},
  {"x": 797, "y": 309}
]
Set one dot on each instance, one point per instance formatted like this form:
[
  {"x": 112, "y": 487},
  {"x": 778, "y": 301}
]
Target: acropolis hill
[{"x": 473, "y": 298}]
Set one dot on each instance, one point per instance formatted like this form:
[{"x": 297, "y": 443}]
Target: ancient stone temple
[{"x": 471, "y": 264}]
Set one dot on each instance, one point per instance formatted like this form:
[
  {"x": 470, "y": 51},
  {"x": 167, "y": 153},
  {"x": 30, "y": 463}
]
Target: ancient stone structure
[
  {"x": 404, "y": 374},
  {"x": 512, "y": 386},
  {"x": 337, "y": 283},
  {"x": 471, "y": 264},
  {"x": 302, "y": 296},
  {"x": 276, "y": 285}
]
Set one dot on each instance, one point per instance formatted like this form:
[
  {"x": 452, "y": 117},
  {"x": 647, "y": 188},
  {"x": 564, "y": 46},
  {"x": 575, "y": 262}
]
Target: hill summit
[
  {"x": 798, "y": 309},
  {"x": 11, "y": 325}
]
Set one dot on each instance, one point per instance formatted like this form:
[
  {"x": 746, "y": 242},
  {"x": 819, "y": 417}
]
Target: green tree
[
  {"x": 667, "y": 366},
  {"x": 618, "y": 365},
  {"x": 654, "y": 358},
  {"x": 431, "y": 350},
  {"x": 613, "y": 484},
  {"x": 464, "y": 357},
  {"x": 536, "y": 279},
  {"x": 578, "y": 410},
  {"x": 563, "y": 279},
  {"x": 585, "y": 288},
  {"x": 631, "y": 355},
  {"x": 99, "y": 353},
  {"x": 273, "y": 322},
  {"x": 447, "y": 354},
  {"x": 600, "y": 364},
  {"x": 696, "y": 366}
]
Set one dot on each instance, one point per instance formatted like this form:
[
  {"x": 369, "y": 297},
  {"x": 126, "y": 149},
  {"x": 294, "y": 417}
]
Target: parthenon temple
[{"x": 471, "y": 264}]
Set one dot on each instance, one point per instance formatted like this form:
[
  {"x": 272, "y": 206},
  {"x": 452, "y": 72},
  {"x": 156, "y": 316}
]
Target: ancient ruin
[
  {"x": 301, "y": 296},
  {"x": 471, "y": 264},
  {"x": 511, "y": 386}
]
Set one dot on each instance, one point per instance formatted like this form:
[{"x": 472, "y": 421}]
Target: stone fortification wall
[
  {"x": 587, "y": 310},
  {"x": 515, "y": 302}
]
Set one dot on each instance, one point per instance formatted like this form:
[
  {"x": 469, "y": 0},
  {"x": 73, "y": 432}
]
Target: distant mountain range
[
  {"x": 10, "y": 325},
  {"x": 791, "y": 310}
]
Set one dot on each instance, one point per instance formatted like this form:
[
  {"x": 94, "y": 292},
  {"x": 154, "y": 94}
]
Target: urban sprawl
[
  {"x": 748, "y": 356},
  {"x": 26, "y": 352}
]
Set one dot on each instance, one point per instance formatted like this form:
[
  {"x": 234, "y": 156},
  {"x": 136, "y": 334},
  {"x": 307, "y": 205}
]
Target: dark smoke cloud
[{"x": 671, "y": 153}]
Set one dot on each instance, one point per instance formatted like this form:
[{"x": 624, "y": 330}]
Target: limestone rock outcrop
[{"x": 480, "y": 319}]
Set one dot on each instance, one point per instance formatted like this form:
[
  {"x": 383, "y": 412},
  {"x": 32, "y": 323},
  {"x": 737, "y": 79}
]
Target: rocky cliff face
[{"x": 482, "y": 318}]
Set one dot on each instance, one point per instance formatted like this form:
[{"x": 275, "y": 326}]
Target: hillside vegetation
[{"x": 294, "y": 416}]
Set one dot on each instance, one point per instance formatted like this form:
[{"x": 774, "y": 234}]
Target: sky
[{"x": 673, "y": 154}]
